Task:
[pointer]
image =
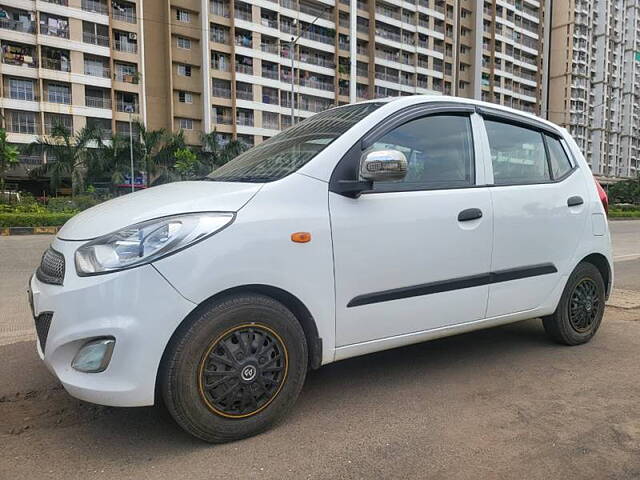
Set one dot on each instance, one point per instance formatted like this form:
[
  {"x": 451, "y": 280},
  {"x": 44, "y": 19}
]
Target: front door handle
[
  {"x": 575, "y": 201},
  {"x": 469, "y": 214}
]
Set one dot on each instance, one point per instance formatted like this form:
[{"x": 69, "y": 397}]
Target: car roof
[{"x": 409, "y": 100}]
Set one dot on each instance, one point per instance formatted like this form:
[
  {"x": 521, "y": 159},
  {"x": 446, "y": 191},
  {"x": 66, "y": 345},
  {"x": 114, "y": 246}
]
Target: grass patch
[{"x": 617, "y": 213}]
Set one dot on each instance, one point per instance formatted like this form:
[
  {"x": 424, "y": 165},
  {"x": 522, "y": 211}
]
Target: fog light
[{"x": 94, "y": 356}]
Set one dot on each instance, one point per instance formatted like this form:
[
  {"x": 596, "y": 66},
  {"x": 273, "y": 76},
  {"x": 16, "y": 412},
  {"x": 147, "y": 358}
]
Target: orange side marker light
[{"x": 301, "y": 237}]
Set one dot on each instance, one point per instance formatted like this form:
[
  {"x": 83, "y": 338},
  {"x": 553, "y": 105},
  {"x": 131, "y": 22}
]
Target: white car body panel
[
  {"x": 370, "y": 244},
  {"x": 184, "y": 197}
]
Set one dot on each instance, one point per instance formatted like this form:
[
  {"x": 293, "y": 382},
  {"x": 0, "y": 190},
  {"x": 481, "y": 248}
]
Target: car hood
[{"x": 160, "y": 201}]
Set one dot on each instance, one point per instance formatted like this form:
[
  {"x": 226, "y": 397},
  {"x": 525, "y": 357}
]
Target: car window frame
[
  {"x": 347, "y": 167},
  {"x": 531, "y": 124}
]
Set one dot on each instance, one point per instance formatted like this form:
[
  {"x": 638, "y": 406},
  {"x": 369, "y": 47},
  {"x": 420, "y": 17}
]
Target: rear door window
[
  {"x": 558, "y": 159},
  {"x": 517, "y": 154}
]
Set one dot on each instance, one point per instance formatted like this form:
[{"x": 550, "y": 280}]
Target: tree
[
  {"x": 111, "y": 159},
  {"x": 214, "y": 154},
  {"x": 151, "y": 143},
  {"x": 8, "y": 157},
  {"x": 186, "y": 163},
  {"x": 66, "y": 156},
  {"x": 164, "y": 160}
]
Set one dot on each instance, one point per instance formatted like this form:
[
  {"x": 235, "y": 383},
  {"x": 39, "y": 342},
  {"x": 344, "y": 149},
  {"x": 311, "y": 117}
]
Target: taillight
[{"x": 603, "y": 196}]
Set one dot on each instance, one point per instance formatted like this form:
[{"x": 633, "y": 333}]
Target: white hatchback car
[{"x": 364, "y": 228}]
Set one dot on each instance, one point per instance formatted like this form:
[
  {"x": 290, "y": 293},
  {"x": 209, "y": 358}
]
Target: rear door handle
[
  {"x": 469, "y": 214},
  {"x": 575, "y": 201}
]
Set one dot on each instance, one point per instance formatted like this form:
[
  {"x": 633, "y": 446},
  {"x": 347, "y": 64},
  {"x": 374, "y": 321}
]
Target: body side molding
[{"x": 453, "y": 284}]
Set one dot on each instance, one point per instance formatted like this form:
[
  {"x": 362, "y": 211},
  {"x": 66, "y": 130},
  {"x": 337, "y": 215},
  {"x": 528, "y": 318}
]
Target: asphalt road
[{"x": 500, "y": 403}]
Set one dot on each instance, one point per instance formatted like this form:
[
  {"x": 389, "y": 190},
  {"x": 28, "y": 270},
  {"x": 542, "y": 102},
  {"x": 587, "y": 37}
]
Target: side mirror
[{"x": 383, "y": 165}]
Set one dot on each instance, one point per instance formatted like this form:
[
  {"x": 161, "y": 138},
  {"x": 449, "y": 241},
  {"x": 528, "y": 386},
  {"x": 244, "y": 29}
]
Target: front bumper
[{"x": 137, "y": 307}]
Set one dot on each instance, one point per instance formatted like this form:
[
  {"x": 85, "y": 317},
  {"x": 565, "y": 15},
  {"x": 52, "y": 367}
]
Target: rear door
[
  {"x": 414, "y": 255},
  {"x": 539, "y": 213}
]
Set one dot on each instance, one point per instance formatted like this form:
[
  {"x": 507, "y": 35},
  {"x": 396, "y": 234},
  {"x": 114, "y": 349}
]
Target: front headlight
[{"x": 147, "y": 241}]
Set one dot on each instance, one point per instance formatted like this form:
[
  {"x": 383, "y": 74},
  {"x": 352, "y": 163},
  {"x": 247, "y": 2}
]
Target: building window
[
  {"x": 186, "y": 123},
  {"x": 59, "y": 93},
  {"x": 184, "y": 70},
  {"x": 184, "y": 43},
  {"x": 20, "y": 121},
  {"x": 183, "y": 16},
  {"x": 21, "y": 89},
  {"x": 185, "y": 97},
  {"x": 53, "y": 120}
]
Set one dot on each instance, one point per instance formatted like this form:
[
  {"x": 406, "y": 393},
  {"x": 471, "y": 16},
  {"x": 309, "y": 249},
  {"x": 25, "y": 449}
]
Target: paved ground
[{"x": 501, "y": 403}]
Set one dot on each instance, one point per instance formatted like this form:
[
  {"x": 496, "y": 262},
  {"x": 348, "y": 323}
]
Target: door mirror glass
[{"x": 383, "y": 165}]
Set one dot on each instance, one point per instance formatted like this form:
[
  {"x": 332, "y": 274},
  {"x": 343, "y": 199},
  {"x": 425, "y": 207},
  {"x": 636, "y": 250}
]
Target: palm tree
[
  {"x": 164, "y": 160},
  {"x": 214, "y": 154},
  {"x": 67, "y": 156},
  {"x": 8, "y": 157},
  {"x": 112, "y": 159},
  {"x": 150, "y": 142}
]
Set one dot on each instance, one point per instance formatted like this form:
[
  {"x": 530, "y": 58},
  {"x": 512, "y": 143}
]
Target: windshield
[{"x": 286, "y": 152}]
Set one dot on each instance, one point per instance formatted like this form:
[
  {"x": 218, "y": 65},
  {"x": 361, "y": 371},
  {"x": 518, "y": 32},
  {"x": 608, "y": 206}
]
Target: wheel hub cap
[
  {"x": 584, "y": 305},
  {"x": 242, "y": 371}
]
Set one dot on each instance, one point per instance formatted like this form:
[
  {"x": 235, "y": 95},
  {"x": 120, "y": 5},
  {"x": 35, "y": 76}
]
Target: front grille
[
  {"x": 43, "y": 323},
  {"x": 51, "y": 269}
]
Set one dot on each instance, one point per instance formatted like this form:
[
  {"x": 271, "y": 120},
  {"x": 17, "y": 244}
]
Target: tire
[
  {"x": 249, "y": 345},
  {"x": 581, "y": 307}
]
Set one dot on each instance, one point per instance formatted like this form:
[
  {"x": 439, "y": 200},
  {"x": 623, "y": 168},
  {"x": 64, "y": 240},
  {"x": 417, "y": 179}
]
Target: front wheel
[
  {"x": 235, "y": 369},
  {"x": 581, "y": 307}
]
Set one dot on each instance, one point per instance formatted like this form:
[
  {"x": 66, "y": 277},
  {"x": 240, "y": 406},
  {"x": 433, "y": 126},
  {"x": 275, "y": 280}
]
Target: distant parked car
[{"x": 364, "y": 228}]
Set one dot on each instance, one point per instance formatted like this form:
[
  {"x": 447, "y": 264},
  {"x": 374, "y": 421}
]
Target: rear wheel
[
  {"x": 581, "y": 307},
  {"x": 236, "y": 369}
]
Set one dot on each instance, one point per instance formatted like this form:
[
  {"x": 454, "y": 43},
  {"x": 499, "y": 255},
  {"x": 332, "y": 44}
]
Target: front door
[{"x": 414, "y": 255}]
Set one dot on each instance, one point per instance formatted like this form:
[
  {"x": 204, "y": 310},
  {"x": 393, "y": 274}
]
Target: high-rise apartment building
[
  {"x": 226, "y": 64},
  {"x": 200, "y": 65},
  {"x": 594, "y": 80},
  {"x": 70, "y": 62}
]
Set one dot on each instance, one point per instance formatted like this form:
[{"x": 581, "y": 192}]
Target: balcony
[
  {"x": 97, "y": 102},
  {"x": 244, "y": 94},
  {"x": 246, "y": 120},
  {"x": 122, "y": 14},
  {"x": 17, "y": 26},
  {"x": 59, "y": 31},
  {"x": 125, "y": 46},
  {"x": 221, "y": 92},
  {"x": 127, "y": 107},
  {"x": 97, "y": 70},
  {"x": 19, "y": 56},
  {"x": 219, "y": 8},
  {"x": 242, "y": 68},
  {"x": 318, "y": 37},
  {"x": 95, "y": 39},
  {"x": 272, "y": 74},
  {"x": 223, "y": 119},
  {"x": 56, "y": 64},
  {"x": 126, "y": 77},
  {"x": 95, "y": 7},
  {"x": 314, "y": 83},
  {"x": 270, "y": 48}
]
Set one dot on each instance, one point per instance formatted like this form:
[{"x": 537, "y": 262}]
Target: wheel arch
[
  {"x": 602, "y": 264},
  {"x": 293, "y": 303}
]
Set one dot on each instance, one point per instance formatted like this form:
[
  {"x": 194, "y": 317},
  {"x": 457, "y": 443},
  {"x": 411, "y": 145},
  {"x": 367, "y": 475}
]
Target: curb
[{"x": 7, "y": 231}]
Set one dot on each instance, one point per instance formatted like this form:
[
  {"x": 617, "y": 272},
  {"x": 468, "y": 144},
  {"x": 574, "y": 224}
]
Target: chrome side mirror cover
[{"x": 383, "y": 165}]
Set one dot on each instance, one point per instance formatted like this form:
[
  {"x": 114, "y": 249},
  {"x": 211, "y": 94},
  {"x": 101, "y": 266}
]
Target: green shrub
[
  {"x": 625, "y": 213},
  {"x": 39, "y": 219},
  {"x": 71, "y": 204}
]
